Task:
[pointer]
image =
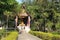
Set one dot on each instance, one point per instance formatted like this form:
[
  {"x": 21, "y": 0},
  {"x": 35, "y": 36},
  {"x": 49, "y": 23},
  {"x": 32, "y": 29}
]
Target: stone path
[{"x": 27, "y": 36}]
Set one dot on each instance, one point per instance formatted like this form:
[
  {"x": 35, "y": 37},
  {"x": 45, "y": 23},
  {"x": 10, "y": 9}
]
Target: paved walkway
[{"x": 27, "y": 36}]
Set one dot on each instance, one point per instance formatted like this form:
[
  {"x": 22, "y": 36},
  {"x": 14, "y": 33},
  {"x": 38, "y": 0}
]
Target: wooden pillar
[{"x": 16, "y": 20}]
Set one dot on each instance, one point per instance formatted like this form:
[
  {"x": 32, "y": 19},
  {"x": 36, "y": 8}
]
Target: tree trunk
[
  {"x": 16, "y": 20},
  {"x": 7, "y": 25},
  {"x": 7, "y": 22}
]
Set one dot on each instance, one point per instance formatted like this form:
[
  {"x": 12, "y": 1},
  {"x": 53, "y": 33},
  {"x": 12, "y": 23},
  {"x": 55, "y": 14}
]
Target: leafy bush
[
  {"x": 56, "y": 32},
  {"x": 45, "y": 36},
  {"x": 12, "y": 36},
  {"x": 2, "y": 32},
  {"x": 56, "y": 37}
]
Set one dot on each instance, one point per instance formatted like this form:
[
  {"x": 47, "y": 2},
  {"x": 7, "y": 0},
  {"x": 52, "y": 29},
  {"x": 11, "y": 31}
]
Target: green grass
[
  {"x": 45, "y": 36},
  {"x": 12, "y": 36}
]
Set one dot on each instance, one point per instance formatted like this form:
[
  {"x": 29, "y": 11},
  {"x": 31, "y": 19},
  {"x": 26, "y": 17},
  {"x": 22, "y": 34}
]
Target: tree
[
  {"x": 43, "y": 9},
  {"x": 8, "y": 9},
  {"x": 7, "y": 13}
]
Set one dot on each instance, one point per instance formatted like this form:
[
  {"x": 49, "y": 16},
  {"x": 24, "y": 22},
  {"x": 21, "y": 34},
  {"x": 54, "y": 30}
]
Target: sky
[{"x": 20, "y": 1}]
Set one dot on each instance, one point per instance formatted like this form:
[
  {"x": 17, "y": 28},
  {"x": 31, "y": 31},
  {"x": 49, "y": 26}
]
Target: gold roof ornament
[
  {"x": 22, "y": 24},
  {"x": 23, "y": 13}
]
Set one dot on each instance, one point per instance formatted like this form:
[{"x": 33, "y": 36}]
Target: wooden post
[
  {"x": 7, "y": 25},
  {"x": 16, "y": 20}
]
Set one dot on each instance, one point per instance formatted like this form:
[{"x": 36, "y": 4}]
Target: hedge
[
  {"x": 2, "y": 33},
  {"x": 45, "y": 36},
  {"x": 12, "y": 36}
]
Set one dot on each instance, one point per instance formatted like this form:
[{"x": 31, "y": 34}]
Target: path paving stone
[{"x": 27, "y": 36}]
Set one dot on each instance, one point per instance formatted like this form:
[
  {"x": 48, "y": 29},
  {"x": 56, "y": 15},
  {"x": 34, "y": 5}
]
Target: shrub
[
  {"x": 12, "y": 36},
  {"x": 56, "y": 32},
  {"x": 45, "y": 36},
  {"x": 2, "y": 32},
  {"x": 56, "y": 37}
]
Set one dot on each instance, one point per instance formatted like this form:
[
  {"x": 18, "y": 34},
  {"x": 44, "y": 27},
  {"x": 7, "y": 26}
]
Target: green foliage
[
  {"x": 8, "y": 10},
  {"x": 2, "y": 32},
  {"x": 49, "y": 24},
  {"x": 58, "y": 25},
  {"x": 7, "y": 13},
  {"x": 43, "y": 13},
  {"x": 12, "y": 36},
  {"x": 45, "y": 36},
  {"x": 40, "y": 9},
  {"x": 57, "y": 32}
]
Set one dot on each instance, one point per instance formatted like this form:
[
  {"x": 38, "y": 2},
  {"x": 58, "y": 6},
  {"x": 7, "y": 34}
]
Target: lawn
[{"x": 12, "y": 36}]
